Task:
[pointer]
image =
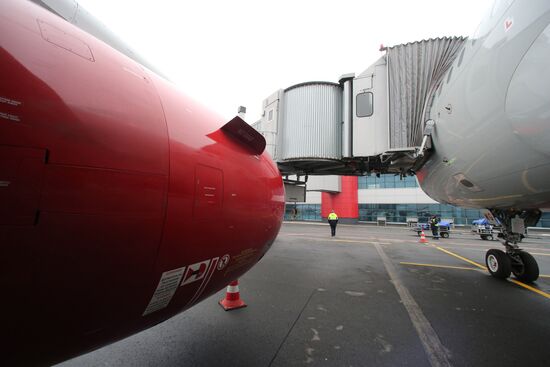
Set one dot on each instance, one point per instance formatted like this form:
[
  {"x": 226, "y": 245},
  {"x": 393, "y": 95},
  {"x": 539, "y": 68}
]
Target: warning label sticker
[{"x": 166, "y": 289}]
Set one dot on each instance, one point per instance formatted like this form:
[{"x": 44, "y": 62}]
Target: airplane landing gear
[
  {"x": 524, "y": 266},
  {"x": 514, "y": 260},
  {"x": 498, "y": 263}
]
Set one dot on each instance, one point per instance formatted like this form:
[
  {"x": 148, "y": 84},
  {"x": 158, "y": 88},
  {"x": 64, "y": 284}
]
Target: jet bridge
[{"x": 377, "y": 121}]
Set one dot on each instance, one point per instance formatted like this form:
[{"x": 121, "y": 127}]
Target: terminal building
[{"x": 387, "y": 198}]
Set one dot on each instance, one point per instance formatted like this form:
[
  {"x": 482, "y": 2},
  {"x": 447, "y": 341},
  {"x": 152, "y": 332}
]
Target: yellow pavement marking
[
  {"x": 544, "y": 294},
  {"x": 490, "y": 244},
  {"x": 517, "y": 282},
  {"x": 457, "y": 246},
  {"x": 460, "y": 257},
  {"x": 439, "y": 266},
  {"x": 521, "y": 284}
]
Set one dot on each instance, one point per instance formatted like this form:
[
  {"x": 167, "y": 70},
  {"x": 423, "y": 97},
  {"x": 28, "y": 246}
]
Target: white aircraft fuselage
[{"x": 492, "y": 115}]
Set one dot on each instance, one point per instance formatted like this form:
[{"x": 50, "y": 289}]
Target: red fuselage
[{"x": 121, "y": 201}]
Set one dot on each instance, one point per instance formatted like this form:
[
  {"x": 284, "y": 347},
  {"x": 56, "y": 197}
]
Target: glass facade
[
  {"x": 396, "y": 213},
  {"x": 308, "y": 212},
  {"x": 386, "y": 182},
  {"x": 544, "y": 220}
]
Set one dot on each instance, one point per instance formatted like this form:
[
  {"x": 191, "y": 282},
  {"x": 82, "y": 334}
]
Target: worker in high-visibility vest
[
  {"x": 434, "y": 225},
  {"x": 332, "y": 220}
]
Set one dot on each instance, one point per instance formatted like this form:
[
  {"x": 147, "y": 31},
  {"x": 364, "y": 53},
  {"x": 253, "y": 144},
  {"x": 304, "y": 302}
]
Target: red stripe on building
[{"x": 345, "y": 204}]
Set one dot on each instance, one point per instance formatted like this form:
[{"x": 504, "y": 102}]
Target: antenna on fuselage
[{"x": 242, "y": 112}]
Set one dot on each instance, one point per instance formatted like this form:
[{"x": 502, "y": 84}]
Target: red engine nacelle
[{"x": 122, "y": 201}]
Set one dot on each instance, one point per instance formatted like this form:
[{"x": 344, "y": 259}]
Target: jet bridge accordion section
[
  {"x": 391, "y": 99},
  {"x": 415, "y": 70},
  {"x": 373, "y": 122}
]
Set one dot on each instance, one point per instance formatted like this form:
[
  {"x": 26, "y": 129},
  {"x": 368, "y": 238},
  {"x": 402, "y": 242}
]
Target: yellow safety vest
[{"x": 332, "y": 216}]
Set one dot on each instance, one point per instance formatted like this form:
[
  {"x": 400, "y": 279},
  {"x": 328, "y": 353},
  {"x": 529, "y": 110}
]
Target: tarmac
[{"x": 371, "y": 296}]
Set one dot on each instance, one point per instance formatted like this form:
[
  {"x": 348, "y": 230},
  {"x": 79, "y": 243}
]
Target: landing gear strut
[{"x": 513, "y": 260}]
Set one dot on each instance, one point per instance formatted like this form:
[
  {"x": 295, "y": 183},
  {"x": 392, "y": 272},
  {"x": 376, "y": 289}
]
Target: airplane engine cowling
[{"x": 119, "y": 207}]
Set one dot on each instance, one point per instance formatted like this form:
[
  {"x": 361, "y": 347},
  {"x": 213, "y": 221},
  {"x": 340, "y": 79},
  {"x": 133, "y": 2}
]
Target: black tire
[
  {"x": 483, "y": 237},
  {"x": 498, "y": 263},
  {"x": 528, "y": 271},
  {"x": 490, "y": 237},
  {"x": 445, "y": 235}
]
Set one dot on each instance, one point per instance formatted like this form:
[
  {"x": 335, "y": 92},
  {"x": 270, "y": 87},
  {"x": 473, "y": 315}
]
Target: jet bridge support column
[
  {"x": 346, "y": 81},
  {"x": 345, "y": 203}
]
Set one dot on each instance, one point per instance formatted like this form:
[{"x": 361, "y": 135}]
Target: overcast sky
[{"x": 231, "y": 53}]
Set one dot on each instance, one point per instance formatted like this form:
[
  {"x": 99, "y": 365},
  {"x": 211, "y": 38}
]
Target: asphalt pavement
[{"x": 371, "y": 296}]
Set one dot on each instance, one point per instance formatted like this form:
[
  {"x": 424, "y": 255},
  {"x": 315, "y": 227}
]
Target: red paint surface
[
  {"x": 113, "y": 180},
  {"x": 345, "y": 203}
]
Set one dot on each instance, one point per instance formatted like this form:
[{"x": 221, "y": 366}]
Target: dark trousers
[
  {"x": 333, "y": 227},
  {"x": 435, "y": 231}
]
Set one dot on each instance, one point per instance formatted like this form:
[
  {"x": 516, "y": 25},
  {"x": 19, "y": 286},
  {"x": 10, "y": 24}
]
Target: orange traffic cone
[
  {"x": 232, "y": 298},
  {"x": 423, "y": 237}
]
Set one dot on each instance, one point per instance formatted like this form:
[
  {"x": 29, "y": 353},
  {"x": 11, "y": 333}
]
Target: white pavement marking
[{"x": 436, "y": 352}]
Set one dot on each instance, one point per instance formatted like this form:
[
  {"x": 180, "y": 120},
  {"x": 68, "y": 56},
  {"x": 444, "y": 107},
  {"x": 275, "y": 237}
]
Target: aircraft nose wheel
[
  {"x": 525, "y": 267},
  {"x": 498, "y": 263},
  {"x": 513, "y": 223},
  {"x": 521, "y": 263}
]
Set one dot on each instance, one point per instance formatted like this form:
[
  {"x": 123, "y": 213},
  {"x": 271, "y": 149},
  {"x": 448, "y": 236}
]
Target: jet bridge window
[{"x": 364, "y": 104}]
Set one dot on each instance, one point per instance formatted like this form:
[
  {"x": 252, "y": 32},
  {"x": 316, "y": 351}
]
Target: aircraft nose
[{"x": 528, "y": 98}]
